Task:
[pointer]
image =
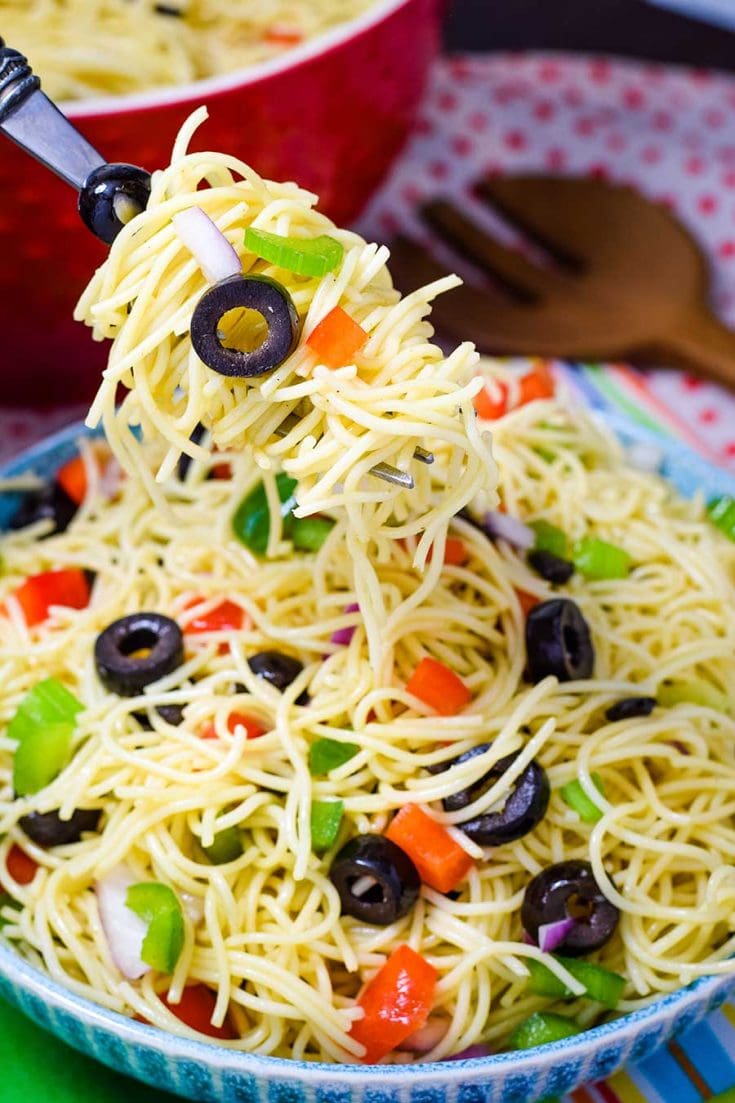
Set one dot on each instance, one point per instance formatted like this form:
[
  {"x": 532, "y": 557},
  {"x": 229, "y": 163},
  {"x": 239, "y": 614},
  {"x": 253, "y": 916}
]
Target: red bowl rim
[{"x": 172, "y": 95}]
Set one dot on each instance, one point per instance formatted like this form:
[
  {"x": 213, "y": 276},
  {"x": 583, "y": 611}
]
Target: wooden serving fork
[{"x": 625, "y": 280}]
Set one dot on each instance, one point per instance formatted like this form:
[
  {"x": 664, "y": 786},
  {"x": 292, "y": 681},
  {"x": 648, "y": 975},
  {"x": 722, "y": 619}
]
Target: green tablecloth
[{"x": 36, "y": 1068}]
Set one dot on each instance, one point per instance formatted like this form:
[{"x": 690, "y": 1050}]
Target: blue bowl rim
[{"x": 707, "y": 991}]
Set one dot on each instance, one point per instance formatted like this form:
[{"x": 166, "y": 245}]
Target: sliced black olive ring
[
  {"x": 630, "y": 707},
  {"x": 111, "y": 196},
  {"x": 260, "y": 293},
  {"x": 377, "y": 882},
  {"x": 568, "y": 890},
  {"x": 558, "y": 642},
  {"x": 48, "y": 829},
  {"x": 137, "y": 650},
  {"x": 49, "y": 503},
  {"x": 524, "y": 808},
  {"x": 278, "y": 669}
]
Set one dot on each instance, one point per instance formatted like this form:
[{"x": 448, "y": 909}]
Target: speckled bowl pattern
[
  {"x": 205, "y": 1072},
  {"x": 331, "y": 114}
]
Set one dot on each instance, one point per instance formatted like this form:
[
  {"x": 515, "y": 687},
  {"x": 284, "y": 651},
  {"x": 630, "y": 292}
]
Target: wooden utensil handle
[{"x": 703, "y": 345}]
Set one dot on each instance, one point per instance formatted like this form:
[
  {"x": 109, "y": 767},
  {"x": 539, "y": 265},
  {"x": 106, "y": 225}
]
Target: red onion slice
[
  {"x": 550, "y": 935},
  {"x": 344, "y": 635},
  {"x": 207, "y": 244},
  {"x": 478, "y": 1050},
  {"x": 123, "y": 929},
  {"x": 501, "y": 526}
]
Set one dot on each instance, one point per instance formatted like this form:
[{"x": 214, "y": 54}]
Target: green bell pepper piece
[
  {"x": 574, "y": 795},
  {"x": 40, "y": 757},
  {"x": 721, "y": 512},
  {"x": 549, "y": 538},
  {"x": 597, "y": 559},
  {"x": 540, "y": 1028},
  {"x": 307, "y": 256},
  {"x": 159, "y": 906},
  {"x": 309, "y": 533},
  {"x": 327, "y": 754},
  {"x": 252, "y": 520},
  {"x": 226, "y": 846},
  {"x": 49, "y": 702},
  {"x": 326, "y": 817},
  {"x": 602, "y": 985}
]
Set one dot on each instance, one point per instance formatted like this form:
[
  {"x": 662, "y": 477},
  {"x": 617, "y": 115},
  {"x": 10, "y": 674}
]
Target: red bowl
[{"x": 331, "y": 114}]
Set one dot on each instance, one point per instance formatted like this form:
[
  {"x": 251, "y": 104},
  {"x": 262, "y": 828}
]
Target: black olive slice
[
  {"x": 260, "y": 293},
  {"x": 630, "y": 707},
  {"x": 551, "y": 567},
  {"x": 111, "y": 196},
  {"x": 558, "y": 642},
  {"x": 48, "y": 829},
  {"x": 48, "y": 503},
  {"x": 396, "y": 881},
  {"x": 137, "y": 650},
  {"x": 523, "y": 809},
  {"x": 172, "y": 714},
  {"x": 277, "y": 669},
  {"x": 568, "y": 890}
]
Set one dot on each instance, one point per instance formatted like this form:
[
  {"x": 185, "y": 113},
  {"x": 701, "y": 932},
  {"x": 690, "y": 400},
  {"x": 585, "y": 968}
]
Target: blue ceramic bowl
[{"x": 201, "y": 1071}]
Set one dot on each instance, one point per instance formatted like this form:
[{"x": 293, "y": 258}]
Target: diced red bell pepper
[
  {"x": 253, "y": 727},
  {"x": 441, "y": 862},
  {"x": 538, "y": 383},
  {"x": 226, "y": 615},
  {"x": 456, "y": 553},
  {"x": 492, "y": 402},
  {"x": 72, "y": 476},
  {"x": 527, "y": 601},
  {"x": 284, "y": 36},
  {"x": 438, "y": 687},
  {"x": 21, "y": 867},
  {"x": 39, "y": 592},
  {"x": 396, "y": 1002},
  {"x": 337, "y": 338},
  {"x": 196, "y": 1008}
]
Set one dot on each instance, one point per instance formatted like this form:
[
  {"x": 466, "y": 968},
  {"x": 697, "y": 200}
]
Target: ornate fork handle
[{"x": 109, "y": 195}]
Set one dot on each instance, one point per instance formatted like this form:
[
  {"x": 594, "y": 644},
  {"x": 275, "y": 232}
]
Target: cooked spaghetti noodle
[
  {"x": 83, "y": 48},
  {"x": 264, "y": 930}
]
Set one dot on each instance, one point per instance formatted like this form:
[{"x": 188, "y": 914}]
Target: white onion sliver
[
  {"x": 123, "y": 929},
  {"x": 550, "y": 935},
  {"x": 207, "y": 244},
  {"x": 504, "y": 527}
]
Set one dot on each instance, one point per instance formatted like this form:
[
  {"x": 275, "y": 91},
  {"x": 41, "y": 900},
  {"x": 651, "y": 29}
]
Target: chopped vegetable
[
  {"x": 558, "y": 642},
  {"x": 492, "y": 401},
  {"x": 456, "y": 552},
  {"x": 124, "y": 930},
  {"x": 601, "y": 985},
  {"x": 225, "y": 847},
  {"x": 49, "y": 702},
  {"x": 306, "y": 256},
  {"x": 283, "y": 36},
  {"x": 137, "y": 650},
  {"x": 253, "y": 728},
  {"x": 252, "y": 522},
  {"x": 277, "y": 668},
  {"x": 694, "y": 692},
  {"x": 472, "y": 1052},
  {"x": 630, "y": 707},
  {"x": 48, "y": 828},
  {"x": 159, "y": 907},
  {"x": 541, "y": 1028},
  {"x": 223, "y": 617},
  {"x": 438, "y": 687},
  {"x": 327, "y": 754},
  {"x": 551, "y": 935},
  {"x": 40, "y": 757},
  {"x": 343, "y": 636},
  {"x": 721, "y": 512},
  {"x": 527, "y": 601},
  {"x": 326, "y": 817},
  {"x": 72, "y": 478},
  {"x": 502, "y": 526},
  {"x": 551, "y": 568},
  {"x": 396, "y": 1002},
  {"x": 441, "y": 862},
  {"x": 599, "y": 560},
  {"x": 207, "y": 244},
  {"x": 549, "y": 538},
  {"x": 575, "y": 796},
  {"x": 309, "y": 533},
  {"x": 41, "y": 592},
  {"x": 536, "y": 384},
  {"x": 337, "y": 338},
  {"x": 522, "y": 809},
  {"x": 21, "y": 867},
  {"x": 568, "y": 890},
  {"x": 195, "y": 1009}
]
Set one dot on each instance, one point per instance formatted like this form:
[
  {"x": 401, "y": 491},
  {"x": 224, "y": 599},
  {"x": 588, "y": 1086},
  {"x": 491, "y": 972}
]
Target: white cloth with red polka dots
[{"x": 668, "y": 131}]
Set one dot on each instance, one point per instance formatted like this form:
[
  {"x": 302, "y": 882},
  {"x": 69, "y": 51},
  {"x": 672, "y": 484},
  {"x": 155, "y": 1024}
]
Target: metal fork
[{"x": 109, "y": 194}]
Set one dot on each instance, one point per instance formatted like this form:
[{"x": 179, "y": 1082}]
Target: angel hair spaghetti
[
  {"x": 344, "y": 380},
  {"x": 83, "y": 48},
  {"x": 216, "y": 810}
]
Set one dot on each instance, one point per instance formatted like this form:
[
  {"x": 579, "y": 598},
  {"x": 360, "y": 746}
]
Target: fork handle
[
  {"x": 701, "y": 344},
  {"x": 33, "y": 122}
]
